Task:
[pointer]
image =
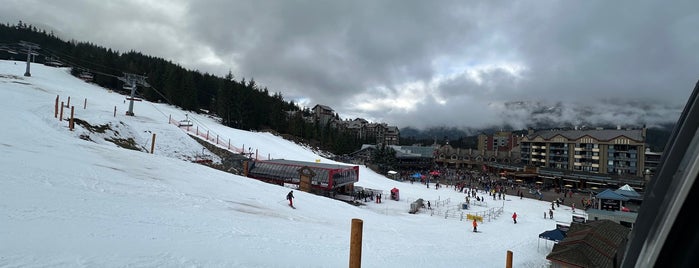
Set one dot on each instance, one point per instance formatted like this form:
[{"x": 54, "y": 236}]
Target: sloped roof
[
  {"x": 407, "y": 151},
  {"x": 598, "y": 134},
  {"x": 553, "y": 235},
  {"x": 305, "y": 163},
  {"x": 413, "y": 151},
  {"x": 627, "y": 188},
  {"x": 627, "y": 191},
  {"x": 591, "y": 244},
  {"x": 324, "y": 107},
  {"x": 609, "y": 194}
]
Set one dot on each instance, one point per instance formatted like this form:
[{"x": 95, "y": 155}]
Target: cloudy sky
[{"x": 417, "y": 63}]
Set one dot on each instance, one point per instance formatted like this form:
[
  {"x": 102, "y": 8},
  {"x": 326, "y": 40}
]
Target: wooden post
[
  {"x": 60, "y": 118},
  {"x": 245, "y": 168},
  {"x": 169, "y": 119},
  {"x": 85, "y": 104},
  {"x": 68, "y": 103},
  {"x": 71, "y": 124},
  {"x": 229, "y": 144},
  {"x": 152, "y": 144},
  {"x": 217, "y": 139},
  {"x": 355, "y": 260},
  {"x": 55, "y": 112},
  {"x": 114, "y": 111},
  {"x": 197, "y": 130},
  {"x": 509, "y": 259},
  {"x": 256, "y": 155},
  {"x": 207, "y": 135}
]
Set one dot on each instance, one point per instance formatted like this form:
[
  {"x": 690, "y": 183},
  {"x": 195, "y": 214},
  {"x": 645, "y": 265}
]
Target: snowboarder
[
  {"x": 514, "y": 217},
  {"x": 475, "y": 226},
  {"x": 290, "y": 197}
]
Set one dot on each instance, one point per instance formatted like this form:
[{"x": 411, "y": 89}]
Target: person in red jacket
[
  {"x": 475, "y": 225},
  {"x": 514, "y": 217}
]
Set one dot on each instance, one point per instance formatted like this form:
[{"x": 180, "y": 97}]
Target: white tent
[
  {"x": 626, "y": 187},
  {"x": 627, "y": 191}
]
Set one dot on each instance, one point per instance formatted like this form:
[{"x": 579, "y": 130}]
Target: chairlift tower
[
  {"x": 29, "y": 46},
  {"x": 133, "y": 80}
]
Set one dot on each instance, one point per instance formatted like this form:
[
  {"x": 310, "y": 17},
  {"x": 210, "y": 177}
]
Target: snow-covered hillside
[{"x": 73, "y": 199}]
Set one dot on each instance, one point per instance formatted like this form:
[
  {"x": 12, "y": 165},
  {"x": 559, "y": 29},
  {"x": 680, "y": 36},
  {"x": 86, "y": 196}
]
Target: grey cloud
[{"x": 596, "y": 61}]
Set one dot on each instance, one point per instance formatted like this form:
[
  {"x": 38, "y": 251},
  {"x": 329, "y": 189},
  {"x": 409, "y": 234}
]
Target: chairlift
[
  {"x": 54, "y": 63},
  {"x": 186, "y": 122},
  {"x": 87, "y": 76},
  {"x": 51, "y": 61},
  {"x": 203, "y": 158}
]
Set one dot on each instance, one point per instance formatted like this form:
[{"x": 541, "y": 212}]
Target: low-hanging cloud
[{"x": 417, "y": 63}]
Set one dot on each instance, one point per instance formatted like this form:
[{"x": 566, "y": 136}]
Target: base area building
[{"x": 321, "y": 178}]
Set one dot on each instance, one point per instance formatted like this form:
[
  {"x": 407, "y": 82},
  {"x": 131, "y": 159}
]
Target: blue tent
[
  {"x": 611, "y": 195},
  {"x": 554, "y": 235},
  {"x": 417, "y": 175}
]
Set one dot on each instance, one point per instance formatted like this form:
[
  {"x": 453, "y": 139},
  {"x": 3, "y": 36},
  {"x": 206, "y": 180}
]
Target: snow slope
[{"x": 72, "y": 199}]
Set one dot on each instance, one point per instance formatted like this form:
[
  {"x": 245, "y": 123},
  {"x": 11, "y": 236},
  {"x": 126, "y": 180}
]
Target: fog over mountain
[
  {"x": 626, "y": 114},
  {"x": 466, "y": 64},
  {"x": 540, "y": 115}
]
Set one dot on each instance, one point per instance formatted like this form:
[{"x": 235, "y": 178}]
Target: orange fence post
[
  {"x": 509, "y": 259},
  {"x": 355, "y": 260}
]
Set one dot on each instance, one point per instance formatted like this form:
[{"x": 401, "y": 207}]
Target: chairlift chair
[
  {"x": 53, "y": 62},
  {"x": 87, "y": 76},
  {"x": 185, "y": 123}
]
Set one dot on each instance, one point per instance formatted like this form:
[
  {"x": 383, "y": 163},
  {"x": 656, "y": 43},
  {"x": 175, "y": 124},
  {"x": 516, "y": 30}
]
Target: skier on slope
[
  {"x": 475, "y": 226},
  {"x": 290, "y": 197},
  {"x": 514, "y": 217}
]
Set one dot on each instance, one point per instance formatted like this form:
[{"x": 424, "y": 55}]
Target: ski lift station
[{"x": 309, "y": 176}]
